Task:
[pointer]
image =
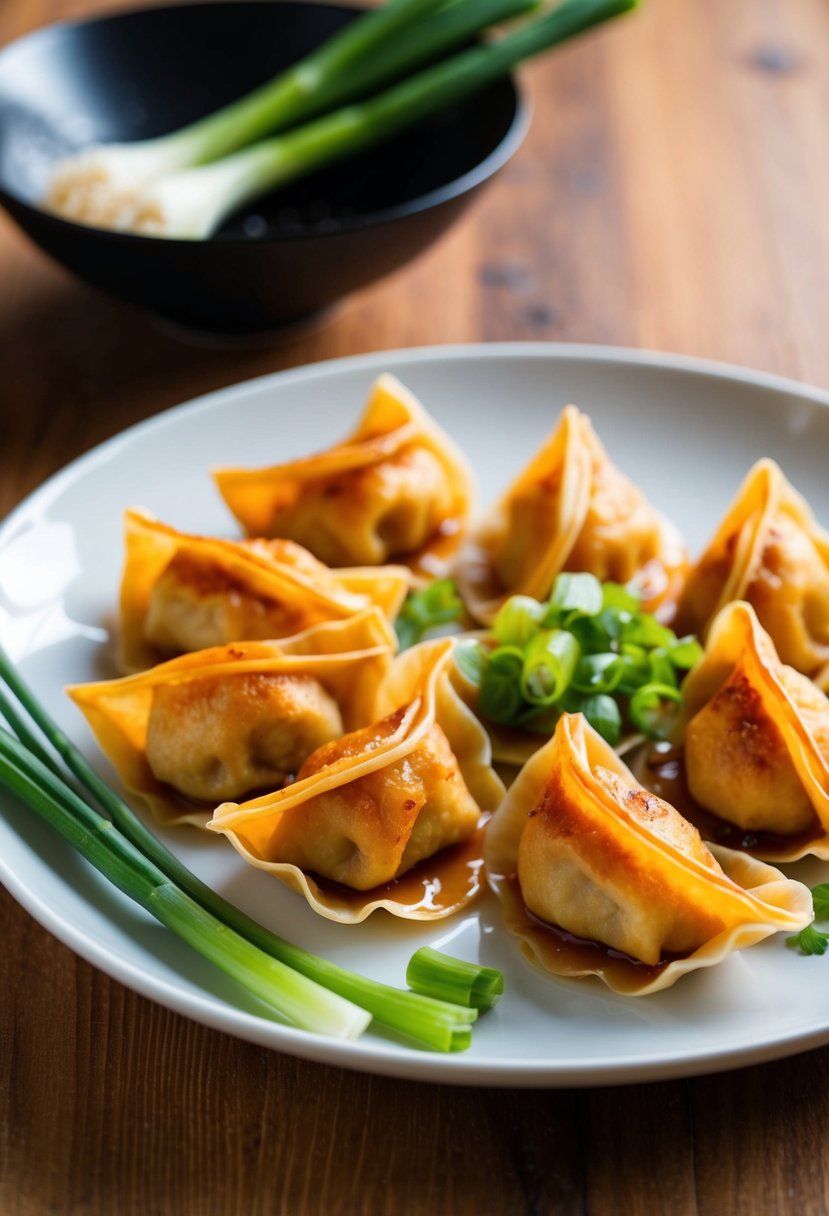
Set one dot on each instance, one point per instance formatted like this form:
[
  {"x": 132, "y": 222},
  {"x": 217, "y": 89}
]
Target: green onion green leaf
[
  {"x": 653, "y": 709},
  {"x": 820, "y": 900},
  {"x": 590, "y": 649},
  {"x": 549, "y": 663},
  {"x": 810, "y": 940},
  {"x": 518, "y": 620},
  {"x": 604, "y": 716},
  {"x": 436, "y": 605}
]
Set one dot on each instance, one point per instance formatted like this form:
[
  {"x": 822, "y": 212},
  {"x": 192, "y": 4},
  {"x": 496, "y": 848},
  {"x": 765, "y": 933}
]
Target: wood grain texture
[{"x": 671, "y": 194}]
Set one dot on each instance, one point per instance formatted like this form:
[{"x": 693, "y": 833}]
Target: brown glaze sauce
[
  {"x": 440, "y": 884},
  {"x": 561, "y": 953},
  {"x": 661, "y": 768}
]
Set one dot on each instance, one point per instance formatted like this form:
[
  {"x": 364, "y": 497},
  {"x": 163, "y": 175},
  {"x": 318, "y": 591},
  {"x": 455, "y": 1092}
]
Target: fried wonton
[
  {"x": 756, "y": 744},
  {"x": 769, "y": 551},
  {"x": 181, "y": 593},
  {"x": 396, "y": 489},
  {"x": 600, "y": 877},
  {"x": 390, "y": 816},
  {"x": 231, "y": 720},
  {"x": 571, "y": 509}
]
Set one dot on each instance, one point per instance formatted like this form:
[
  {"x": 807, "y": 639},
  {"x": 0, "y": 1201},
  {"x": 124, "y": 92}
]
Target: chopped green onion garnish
[
  {"x": 436, "y": 605},
  {"x": 549, "y": 663},
  {"x": 646, "y": 631},
  {"x": 597, "y": 673},
  {"x": 653, "y": 709},
  {"x": 575, "y": 593},
  {"x": 517, "y": 620},
  {"x": 471, "y": 659},
  {"x": 500, "y": 695},
  {"x": 662, "y": 668},
  {"x": 590, "y": 649},
  {"x": 686, "y": 653},
  {"x": 453, "y": 979},
  {"x": 604, "y": 716},
  {"x": 619, "y": 599}
]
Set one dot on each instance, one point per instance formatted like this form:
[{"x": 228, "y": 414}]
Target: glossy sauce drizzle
[
  {"x": 561, "y": 953},
  {"x": 436, "y": 886}
]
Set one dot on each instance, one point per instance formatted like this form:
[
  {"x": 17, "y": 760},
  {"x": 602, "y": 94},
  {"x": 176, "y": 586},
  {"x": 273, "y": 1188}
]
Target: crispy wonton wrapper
[
  {"x": 769, "y": 551},
  {"x": 571, "y": 509},
  {"x": 340, "y": 805},
  {"x": 287, "y": 588},
  {"x": 577, "y": 838},
  {"x": 347, "y": 657},
  {"x": 397, "y": 488},
  {"x": 757, "y": 740}
]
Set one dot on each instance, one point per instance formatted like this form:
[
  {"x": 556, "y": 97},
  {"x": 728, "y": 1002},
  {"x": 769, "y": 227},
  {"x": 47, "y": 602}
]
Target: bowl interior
[{"x": 141, "y": 74}]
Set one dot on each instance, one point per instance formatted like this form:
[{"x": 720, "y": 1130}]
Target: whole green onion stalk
[
  {"x": 295, "y": 984},
  {"x": 95, "y": 186},
  {"x": 292, "y": 96},
  {"x": 285, "y": 992},
  {"x": 192, "y": 203}
]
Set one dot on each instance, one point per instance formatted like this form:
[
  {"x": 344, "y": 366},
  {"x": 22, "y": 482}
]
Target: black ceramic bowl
[{"x": 285, "y": 258}]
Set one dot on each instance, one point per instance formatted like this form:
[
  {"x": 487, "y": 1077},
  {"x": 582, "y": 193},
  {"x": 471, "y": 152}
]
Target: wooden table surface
[{"x": 673, "y": 194}]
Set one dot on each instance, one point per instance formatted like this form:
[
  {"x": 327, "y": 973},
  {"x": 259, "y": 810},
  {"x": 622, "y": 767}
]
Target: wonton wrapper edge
[
  {"x": 570, "y": 451},
  {"x": 737, "y": 629},
  {"x": 150, "y": 545},
  {"x": 392, "y": 419},
  {"x": 117, "y": 711},
  {"x": 786, "y": 900},
  {"x": 422, "y": 712}
]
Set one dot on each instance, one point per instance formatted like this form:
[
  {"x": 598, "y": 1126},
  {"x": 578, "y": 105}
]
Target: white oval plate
[{"x": 686, "y": 431}]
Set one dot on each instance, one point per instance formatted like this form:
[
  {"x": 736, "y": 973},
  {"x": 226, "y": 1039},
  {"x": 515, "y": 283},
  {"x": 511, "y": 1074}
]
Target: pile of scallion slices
[{"x": 588, "y": 649}]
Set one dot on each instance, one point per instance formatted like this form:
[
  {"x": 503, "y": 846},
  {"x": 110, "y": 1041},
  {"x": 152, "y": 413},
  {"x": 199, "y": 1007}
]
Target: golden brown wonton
[
  {"x": 389, "y": 816},
  {"x": 757, "y": 740},
  {"x": 770, "y": 552},
  {"x": 396, "y": 489},
  {"x": 571, "y": 509},
  {"x": 241, "y": 717},
  {"x": 181, "y": 593},
  {"x": 600, "y": 877}
]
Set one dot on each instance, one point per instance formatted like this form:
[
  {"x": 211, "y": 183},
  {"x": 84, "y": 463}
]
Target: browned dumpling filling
[
  {"x": 594, "y": 884},
  {"x": 369, "y": 515},
  {"x": 215, "y": 739},
  {"x": 195, "y": 604},
  {"x": 351, "y": 833}
]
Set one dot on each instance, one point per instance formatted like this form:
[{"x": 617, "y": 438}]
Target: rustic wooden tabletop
[{"x": 672, "y": 195}]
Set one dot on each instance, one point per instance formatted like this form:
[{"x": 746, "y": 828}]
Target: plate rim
[{"x": 388, "y": 1057}]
